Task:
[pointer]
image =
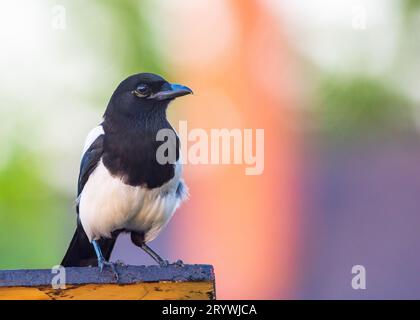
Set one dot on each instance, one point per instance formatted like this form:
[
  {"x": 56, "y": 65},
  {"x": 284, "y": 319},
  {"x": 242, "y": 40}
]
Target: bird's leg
[
  {"x": 101, "y": 260},
  {"x": 138, "y": 240},
  {"x": 154, "y": 255}
]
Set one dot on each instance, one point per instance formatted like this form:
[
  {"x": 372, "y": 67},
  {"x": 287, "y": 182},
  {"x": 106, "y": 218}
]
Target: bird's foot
[
  {"x": 103, "y": 263},
  {"x": 178, "y": 263},
  {"x": 165, "y": 263},
  {"x": 120, "y": 263}
]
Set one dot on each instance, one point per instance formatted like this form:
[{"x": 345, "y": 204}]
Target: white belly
[{"x": 107, "y": 204}]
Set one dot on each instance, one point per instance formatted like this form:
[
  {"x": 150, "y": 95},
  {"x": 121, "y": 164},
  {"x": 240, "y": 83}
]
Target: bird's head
[{"x": 143, "y": 92}]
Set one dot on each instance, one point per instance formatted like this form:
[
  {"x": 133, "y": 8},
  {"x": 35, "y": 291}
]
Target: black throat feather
[{"x": 130, "y": 144}]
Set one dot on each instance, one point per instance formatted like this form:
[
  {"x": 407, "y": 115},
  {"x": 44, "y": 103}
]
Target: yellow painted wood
[
  {"x": 137, "y": 291},
  {"x": 22, "y": 293}
]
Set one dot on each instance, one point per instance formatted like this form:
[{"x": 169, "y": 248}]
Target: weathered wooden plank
[{"x": 135, "y": 282}]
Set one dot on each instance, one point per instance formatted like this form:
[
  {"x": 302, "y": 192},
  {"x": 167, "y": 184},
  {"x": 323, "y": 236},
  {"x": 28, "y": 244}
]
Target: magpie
[{"x": 122, "y": 187}]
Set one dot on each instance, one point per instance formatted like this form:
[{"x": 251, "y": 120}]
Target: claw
[
  {"x": 164, "y": 263},
  {"x": 179, "y": 263},
  {"x": 103, "y": 263}
]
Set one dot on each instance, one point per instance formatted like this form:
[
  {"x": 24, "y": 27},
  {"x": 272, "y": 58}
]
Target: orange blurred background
[{"x": 244, "y": 225}]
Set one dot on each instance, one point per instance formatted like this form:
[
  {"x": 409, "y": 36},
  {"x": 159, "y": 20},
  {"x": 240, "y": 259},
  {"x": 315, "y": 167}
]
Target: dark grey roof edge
[{"x": 127, "y": 275}]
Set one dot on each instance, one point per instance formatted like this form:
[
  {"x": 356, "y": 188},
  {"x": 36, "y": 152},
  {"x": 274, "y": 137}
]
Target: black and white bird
[{"x": 122, "y": 187}]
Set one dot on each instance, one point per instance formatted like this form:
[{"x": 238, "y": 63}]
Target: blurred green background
[{"x": 101, "y": 43}]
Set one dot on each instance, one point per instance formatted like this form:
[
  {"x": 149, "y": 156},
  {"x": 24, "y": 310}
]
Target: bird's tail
[{"x": 81, "y": 252}]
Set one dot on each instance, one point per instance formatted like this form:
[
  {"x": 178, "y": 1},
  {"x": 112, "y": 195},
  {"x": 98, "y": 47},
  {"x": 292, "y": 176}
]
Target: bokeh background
[{"x": 334, "y": 84}]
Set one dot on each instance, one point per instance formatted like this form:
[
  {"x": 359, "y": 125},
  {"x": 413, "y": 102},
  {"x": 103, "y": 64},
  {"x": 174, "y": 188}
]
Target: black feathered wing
[
  {"x": 89, "y": 162},
  {"x": 80, "y": 252}
]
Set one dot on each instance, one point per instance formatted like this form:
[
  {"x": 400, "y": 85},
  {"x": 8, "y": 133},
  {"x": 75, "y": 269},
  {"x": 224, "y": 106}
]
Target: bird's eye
[{"x": 142, "y": 90}]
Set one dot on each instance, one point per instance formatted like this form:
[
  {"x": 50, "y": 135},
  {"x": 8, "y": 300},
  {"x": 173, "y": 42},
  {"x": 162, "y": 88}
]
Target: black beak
[{"x": 176, "y": 91}]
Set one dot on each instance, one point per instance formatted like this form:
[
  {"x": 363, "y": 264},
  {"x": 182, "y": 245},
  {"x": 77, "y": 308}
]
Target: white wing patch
[{"x": 92, "y": 136}]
